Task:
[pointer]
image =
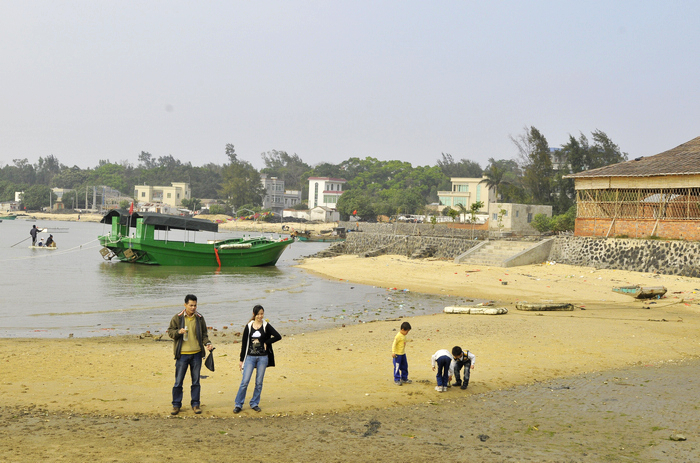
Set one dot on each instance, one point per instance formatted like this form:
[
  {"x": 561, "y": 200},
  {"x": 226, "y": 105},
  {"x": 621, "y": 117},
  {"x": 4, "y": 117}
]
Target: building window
[
  {"x": 460, "y": 200},
  {"x": 315, "y": 194},
  {"x": 478, "y": 192},
  {"x": 529, "y": 217},
  {"x": 143, "y": 194},
  {"x": 495, "y": 216},
  {"x": 517, "y": 214},
  {"x": 169, "y": 195},
  {"x": 462, "y": 188}
]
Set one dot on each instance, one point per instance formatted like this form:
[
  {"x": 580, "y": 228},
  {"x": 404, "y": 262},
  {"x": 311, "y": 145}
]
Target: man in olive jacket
[{"x": 189, "y": 333}]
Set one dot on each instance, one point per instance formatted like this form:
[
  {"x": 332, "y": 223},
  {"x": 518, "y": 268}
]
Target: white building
[
  {"x": 168, "y": 195},
  {"x": 325, "y": 191},
  {"x": 467, "y": 191},
  {"x": 324, "y": 214}
]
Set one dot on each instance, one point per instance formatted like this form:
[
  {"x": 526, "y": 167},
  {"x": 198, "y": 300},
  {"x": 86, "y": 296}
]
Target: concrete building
[
  {"x": 291, "y": 198},
  {"x": 515, "y": 218},
  {"x": 169, "y": 195},
  {"x": 274, "y": 193},
  {"x": 325, "y": 191},
  {"x": 276, "y": 198},
  {"x": 649, "y": 196},
  {"x": 467, "y": 191},
  {"x": 324, "y": 214}
]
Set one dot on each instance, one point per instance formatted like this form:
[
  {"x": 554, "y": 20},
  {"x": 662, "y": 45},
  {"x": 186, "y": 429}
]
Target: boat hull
[
  {"x": 320, "y": 239},
  {"x": 641, "y": 292},
  {"x": 8, "y": 217},
  {"x": 261, "y": 252}
]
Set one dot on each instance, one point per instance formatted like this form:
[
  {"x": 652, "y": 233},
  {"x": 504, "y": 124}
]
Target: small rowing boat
[
  {"x": 476, "y": 310},
  {"x": 543, "y": 306},
  {"x": 641, "y": 292}
]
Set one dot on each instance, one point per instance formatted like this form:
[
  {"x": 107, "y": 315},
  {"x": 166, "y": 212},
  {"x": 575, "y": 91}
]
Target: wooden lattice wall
[{"x": 657, "y": 203}]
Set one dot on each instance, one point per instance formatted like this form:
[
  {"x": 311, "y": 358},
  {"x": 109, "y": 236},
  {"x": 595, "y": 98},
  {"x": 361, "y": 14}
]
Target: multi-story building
[
  {"x": 276, "y": 198},
  {"x": 467, "y": 191},
  {"x": 274, "y": 193},
  {"x": 170, "y": 195},
  {"x": 325, "y": 191}
]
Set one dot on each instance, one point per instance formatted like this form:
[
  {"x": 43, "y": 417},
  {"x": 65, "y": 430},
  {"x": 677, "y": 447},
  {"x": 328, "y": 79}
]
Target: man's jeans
[
  {"x": 259, "y": 362},
  {"x": 194, "y": 362}
]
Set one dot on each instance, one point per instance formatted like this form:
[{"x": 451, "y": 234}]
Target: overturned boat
[
  {"x": 641, "y": 292},
  {"x": 151, "y": 243}
]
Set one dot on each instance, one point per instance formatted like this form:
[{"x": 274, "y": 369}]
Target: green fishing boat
[
  {"x": 151, "y": 243},
  {"x": 8, "y": 217}
]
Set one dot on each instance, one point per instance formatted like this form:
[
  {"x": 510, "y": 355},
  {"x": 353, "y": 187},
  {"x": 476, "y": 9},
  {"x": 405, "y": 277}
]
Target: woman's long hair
[{"x": 256, "y": 310}]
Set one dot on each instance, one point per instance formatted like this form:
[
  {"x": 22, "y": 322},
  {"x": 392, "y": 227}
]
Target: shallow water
[{"x": 73, "y": 290}]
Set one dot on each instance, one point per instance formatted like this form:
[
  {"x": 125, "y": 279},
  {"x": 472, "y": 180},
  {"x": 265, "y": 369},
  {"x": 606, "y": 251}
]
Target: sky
[{"x": 407, "y": 80}]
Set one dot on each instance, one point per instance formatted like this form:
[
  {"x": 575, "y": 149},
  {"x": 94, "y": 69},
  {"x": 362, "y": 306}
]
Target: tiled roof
[{"x": 681, "y": 160}]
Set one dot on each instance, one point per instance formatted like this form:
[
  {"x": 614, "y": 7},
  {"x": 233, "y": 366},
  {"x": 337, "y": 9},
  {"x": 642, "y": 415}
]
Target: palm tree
[
  {"x": 494, "y": 178},
  {"x": 462, "y": 210}
]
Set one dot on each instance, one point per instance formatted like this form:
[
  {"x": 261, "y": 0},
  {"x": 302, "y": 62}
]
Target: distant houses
[
  {"x": 168, "y": 195},
  {"x": 649, "y": 196}
]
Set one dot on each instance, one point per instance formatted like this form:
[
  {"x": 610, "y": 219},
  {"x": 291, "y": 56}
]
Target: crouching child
[{"x": 462, "y": 359}]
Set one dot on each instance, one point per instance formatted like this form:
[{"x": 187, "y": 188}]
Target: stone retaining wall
[
  {"x": 405, "y": 245},
  {"x": 637, "y": 255},
  {"x": 443, "y": 230}
]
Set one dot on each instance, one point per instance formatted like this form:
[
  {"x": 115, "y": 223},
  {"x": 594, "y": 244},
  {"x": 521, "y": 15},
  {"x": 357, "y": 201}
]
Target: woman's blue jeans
[{"x": 259, "y": 362}]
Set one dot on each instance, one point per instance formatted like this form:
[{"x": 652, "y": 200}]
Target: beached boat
[
  {"x": 543, "y": 306},
  {"x": 641, "y": 292},
  {"x": 7, "y": 217},
  {"x": 151, "y": 244},
  {"x": 325, "y": 236},
  {"x": 482, "y": 310}
]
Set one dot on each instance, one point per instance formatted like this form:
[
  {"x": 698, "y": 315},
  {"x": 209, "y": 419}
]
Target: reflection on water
[{"x": 72, "y": 290}]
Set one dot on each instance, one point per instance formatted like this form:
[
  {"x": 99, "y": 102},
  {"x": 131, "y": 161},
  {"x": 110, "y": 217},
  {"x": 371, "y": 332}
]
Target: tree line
[{"x": 374, "y": 187}]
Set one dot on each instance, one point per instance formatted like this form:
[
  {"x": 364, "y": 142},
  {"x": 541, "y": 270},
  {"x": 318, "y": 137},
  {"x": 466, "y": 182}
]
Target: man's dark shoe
[
  {"x": 237, "y": 410},
  {"x": 256, "y": 408},
  {"x": 463, "y": 386},
  {"x": 197, "y": 410},
  {"x": 457, "y": 383},
  {"x": 175, "y": 411}
]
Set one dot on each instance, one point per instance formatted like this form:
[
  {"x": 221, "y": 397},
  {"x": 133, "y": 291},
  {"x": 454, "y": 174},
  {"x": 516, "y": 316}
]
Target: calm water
[{"x": 72, "y": 290}]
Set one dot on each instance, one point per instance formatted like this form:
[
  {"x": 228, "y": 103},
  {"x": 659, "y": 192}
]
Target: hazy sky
[{"x": 330, "y": 80}]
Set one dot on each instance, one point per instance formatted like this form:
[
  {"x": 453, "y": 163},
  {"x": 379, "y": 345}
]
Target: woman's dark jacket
[{"x": 269, "y": 335}]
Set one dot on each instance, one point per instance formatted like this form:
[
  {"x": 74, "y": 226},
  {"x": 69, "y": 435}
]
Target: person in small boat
[
  {"x": 41, "y": 242},
  {"x": 256, "y": 353},
  {"x": 34, "y": 231},
  {"x": 50, "y": 242}
]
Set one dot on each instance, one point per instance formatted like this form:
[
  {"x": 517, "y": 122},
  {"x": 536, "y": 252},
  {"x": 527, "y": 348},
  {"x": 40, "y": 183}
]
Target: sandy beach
[{"x": 612, "y": 380}]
